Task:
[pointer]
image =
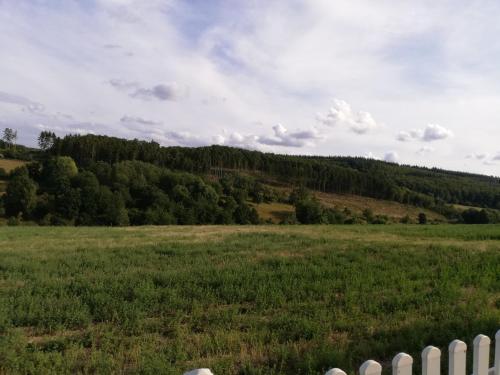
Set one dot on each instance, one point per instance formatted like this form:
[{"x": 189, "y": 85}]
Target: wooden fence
[{"x": 431, "y": 361}]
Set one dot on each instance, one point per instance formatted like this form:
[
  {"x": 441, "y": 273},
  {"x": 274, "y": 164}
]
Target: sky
[{"x": 412, "y": 82}]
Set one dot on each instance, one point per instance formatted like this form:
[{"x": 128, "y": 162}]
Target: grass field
[
  {"x": 240, "y": 300},
  {"x": 10, "y": 164},
  {"x": 358, "y": 203}
]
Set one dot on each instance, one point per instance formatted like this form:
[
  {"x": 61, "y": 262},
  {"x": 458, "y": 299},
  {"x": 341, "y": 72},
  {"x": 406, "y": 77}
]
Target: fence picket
[
  {"x": 402, "y": 364},
  {"x": 457, "y": 357},
  {"x": 201, "y": 371},
  {"x": 431, "y": 361},
  {"x": 481, "y": 355},
  {"x": 335, "y": 371},
  {"x": 370, "y": 368},
  {"x": 497, "y": 354}
]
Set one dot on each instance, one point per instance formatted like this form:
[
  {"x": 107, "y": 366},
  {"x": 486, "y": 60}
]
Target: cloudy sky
[{"x": 407, "y": 81}]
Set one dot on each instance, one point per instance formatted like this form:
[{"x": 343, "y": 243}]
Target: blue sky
[{"x": 406, "y": 81}]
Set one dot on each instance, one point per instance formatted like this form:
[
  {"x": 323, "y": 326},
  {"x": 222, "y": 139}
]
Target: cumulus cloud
[
  {"x": 391, "y": 157},
  {"x": 341, "y": 114},
  {"x": 432, "y": 132},
  {"x": 235, "y": 139},
  {"x": 371, "y": 155},
  {"x": 282, "y": 137},
  {"x": 403, "y": 68},
  {"x": 484, "y": 158}
]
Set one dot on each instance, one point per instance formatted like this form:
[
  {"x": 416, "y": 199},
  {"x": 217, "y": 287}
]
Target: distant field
[
  {"x": 275, "y": 212},
  {"x": 9, "y": 164},
  {"x": 394, "y": 210},
  {"x": 357, "y": 204},
  {"x": 240, "y": 300}
]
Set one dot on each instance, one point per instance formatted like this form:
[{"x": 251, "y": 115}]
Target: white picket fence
[{"x": 431, "y": 361}]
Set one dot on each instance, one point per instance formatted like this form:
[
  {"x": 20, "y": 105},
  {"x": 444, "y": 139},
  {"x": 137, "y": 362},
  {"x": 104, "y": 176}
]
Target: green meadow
[{"x": 240, "y": 299}]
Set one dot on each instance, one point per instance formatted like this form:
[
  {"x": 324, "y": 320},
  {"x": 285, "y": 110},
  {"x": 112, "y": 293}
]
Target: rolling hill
[{"x": 100, "y": 180}]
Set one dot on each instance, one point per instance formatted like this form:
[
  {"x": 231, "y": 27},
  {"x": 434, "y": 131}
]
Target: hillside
[
  {"x": 99, "y": 180},
  {"x": 395, "y": 211},
  {"x": 417, "y": 186}
]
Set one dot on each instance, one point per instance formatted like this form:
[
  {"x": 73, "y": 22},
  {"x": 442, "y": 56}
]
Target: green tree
[
  {"x": 309, "y": 211},
  {"x": 46, "y": 140},
  {"x": 422, "y": 218},
  {"x": 112, "y": 211},
  {"x": 10, "y": 137},
  {"x": 20, "y": 196},
  {"x": 368, "y": 215}
]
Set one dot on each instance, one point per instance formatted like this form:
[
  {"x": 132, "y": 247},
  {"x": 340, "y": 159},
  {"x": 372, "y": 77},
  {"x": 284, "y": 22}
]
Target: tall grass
[{"x": 241, "y": 300}]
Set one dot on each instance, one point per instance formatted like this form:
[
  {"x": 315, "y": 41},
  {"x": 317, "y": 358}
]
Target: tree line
[
  {"x": 422, "y": 187},
  {"x": 99, "y": 180}
]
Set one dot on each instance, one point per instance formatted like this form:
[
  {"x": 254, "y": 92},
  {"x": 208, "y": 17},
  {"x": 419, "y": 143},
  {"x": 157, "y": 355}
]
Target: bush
[
  {"x": 405, "y": 220},
  {"x": 309, "y": 211},
  {"x": 422, "y": 218},
  {"x": 289, "y": 219},
  {"x": 14, "y": 221}
]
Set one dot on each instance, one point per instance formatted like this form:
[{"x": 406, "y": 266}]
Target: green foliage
[
  {"x": 46, "y": 140},
  {"x": 9, "y": 136},
  {"x": 309, "y": 211},
  {"x": 20, "y": 197},
  {"x": 208, "y": 185},
  {"x": 423, "y": 187},
  {"x": 472, "y": 216},
  {"x": 405, "y": 220},
  {"x": 422, "y": 218}
]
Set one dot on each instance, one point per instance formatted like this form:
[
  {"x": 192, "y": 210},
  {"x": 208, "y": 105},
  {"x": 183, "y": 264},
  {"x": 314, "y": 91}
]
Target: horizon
[{"x": 408, "y": 83}]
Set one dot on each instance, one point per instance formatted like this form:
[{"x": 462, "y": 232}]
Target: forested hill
[{"x": 423, "y": 187}]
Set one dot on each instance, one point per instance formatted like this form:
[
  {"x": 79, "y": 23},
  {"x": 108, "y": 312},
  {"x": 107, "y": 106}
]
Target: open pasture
[
  {"x": 10, "y": 164},
  {"x": 240, "y": 299}
]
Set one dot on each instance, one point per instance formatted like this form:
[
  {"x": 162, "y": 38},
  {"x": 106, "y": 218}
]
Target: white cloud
[
  {"x": 477, "y": 156},
  {"x": 236, "y": 139},
  {"x": 162, "y": 92},
  {"x": 391, "y": 157},
  {"x": 134, "y": 120},
  {"x": 371, "y": 155},
  {"x": 403, "y": 62},
  {"x": 159, "y": 92},
  {"x": 432, "y": 132},
  {"x": 282, "y": 137},
  {"x": 341, "y": 114},
  {"x": 26, "y": 104},
  {"x": 425, "y": 150},
  {"x": 184, "y": 138}
]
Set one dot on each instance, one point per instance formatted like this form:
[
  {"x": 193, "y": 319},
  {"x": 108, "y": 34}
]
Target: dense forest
[{"x": 100, "y": 180}]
